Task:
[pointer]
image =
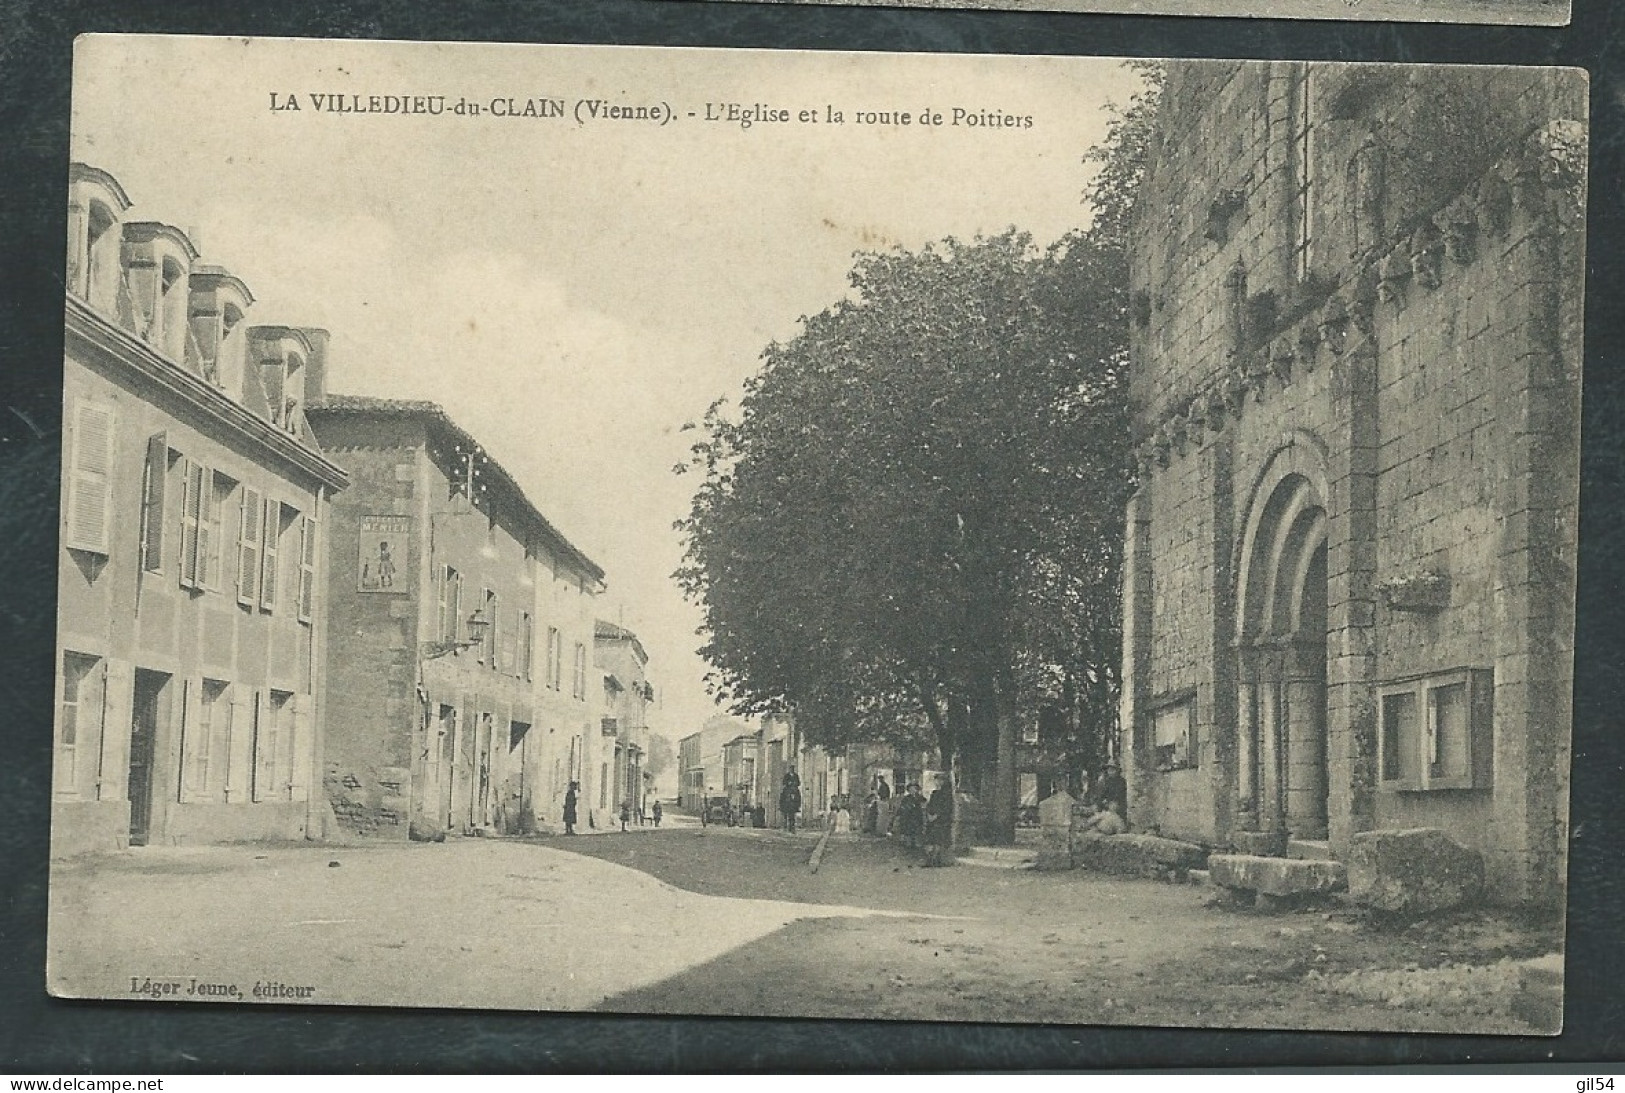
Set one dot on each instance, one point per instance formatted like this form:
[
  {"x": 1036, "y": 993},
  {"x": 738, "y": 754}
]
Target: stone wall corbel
[
  {"x": 1333, "y": 325},
  {"x": 1220, "y": 211},
  {"x": 1458, "y": 228},
  {"x": 1494, "y": 205},
  {"x": 1426, "y": 253},
  {"x": 1308, "y": 343},
  {"x": 1392, "y": 273},
  {"x": 1179, "y": 432},
  {"x": 1281, "y": 361},
  {"x": 1140, "y": 308}
]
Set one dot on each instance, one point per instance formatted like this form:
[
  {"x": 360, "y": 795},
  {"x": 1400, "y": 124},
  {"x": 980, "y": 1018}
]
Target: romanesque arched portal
[{"x": 1281, "y": 770}]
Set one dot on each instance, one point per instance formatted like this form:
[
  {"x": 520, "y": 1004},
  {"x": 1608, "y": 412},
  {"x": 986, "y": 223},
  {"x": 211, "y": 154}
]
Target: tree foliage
[
  {"x": 912, "y": 527},
  {"x": 661, "y": 755}
]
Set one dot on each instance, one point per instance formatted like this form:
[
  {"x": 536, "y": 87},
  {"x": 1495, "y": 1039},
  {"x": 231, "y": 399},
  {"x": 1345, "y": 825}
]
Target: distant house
[{"x": 621, "y": 664}]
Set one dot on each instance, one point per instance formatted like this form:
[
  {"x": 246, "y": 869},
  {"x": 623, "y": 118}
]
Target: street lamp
[{"x": 477, "y": 626}]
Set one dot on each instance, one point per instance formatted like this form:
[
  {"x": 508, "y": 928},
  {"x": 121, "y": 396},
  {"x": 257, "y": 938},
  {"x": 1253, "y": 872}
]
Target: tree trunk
[
  {"x": 959, "y": 726},
  {"x": 949, "y": 730},
  {"x": 1001, "y": 807}
]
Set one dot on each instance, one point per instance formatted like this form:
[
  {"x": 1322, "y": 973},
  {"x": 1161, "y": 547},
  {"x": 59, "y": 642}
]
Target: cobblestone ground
[{"x": 732, "y": 921}]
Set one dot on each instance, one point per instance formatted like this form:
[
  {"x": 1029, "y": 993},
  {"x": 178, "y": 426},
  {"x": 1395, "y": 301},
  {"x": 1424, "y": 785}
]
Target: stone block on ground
[
  {"x": 1259, "y": 844},
  {"x": 1413, "y": 872},
  {"x": 1137, "y": 855},
  {"x": 1275, "y": 879},
  {"x": 1055, "y": 832}
]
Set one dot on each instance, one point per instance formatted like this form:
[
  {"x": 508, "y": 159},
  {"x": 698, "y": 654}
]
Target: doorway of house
[
  {"x": 445, "y": 762},
  {"x": 150, "y": 688},
  {"x": 480, "y": 806}
]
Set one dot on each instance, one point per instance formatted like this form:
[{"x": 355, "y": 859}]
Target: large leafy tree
[{"x": 911, "y": 529}]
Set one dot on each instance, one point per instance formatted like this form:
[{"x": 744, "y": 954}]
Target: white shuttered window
[
  {"x": 90, "y": 480},
  {"x": 250, "y": 529},
  {"x": 307, "y": 568}
]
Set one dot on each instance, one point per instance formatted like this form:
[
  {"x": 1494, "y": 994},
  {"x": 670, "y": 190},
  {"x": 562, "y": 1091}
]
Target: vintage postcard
[
  {"x": 1555, "y": 13},
  {"x": 961, "y": 538}
]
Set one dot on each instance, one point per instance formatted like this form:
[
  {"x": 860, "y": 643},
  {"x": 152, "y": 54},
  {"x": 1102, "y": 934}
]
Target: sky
[{"x": 574, "y": 290}]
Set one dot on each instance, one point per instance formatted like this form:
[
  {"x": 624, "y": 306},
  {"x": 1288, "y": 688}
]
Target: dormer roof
[
  {"x": 218, "y": 276},
  {"x": 145, "y": 231},
  {"x": 84, "y": 172}
]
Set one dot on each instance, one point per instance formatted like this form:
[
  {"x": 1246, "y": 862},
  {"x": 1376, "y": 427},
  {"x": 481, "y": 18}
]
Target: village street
[{"x": 732, "y": 921}]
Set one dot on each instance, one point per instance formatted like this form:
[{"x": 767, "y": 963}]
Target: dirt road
[
  {"x": 1074, "y": 948},
  {"x": 731, "y": 921}
]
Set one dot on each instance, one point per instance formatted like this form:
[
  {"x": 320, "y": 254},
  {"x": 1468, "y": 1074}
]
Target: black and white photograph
[
  {"x": 1552, "y": 13},
  {"x": 886, "y": 536}
]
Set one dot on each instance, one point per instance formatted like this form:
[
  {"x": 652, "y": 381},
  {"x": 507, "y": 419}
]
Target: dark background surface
[{"x": 43, "y": 1035}]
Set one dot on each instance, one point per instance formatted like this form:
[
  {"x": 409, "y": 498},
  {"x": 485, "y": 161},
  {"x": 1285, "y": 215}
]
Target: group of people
[
  {"x": 630, "y": 812},
  {"x": 924, "y": 823}
]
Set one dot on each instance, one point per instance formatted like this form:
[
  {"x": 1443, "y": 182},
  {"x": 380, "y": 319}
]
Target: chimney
[{"x": 316, "y": 367}]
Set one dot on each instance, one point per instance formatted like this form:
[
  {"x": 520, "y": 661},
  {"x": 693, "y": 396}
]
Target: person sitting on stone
[{"x": 1107, "y": 820}]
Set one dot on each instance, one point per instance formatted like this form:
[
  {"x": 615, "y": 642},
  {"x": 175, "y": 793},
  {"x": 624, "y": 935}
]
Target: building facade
[
  {"x": 691, "y": 772},
  {"x": 1349, "y": 571},
  {"x": 623, "y": 741},
  {"x": 191, "y": 585},
  {"x": 461, "y": 620}
]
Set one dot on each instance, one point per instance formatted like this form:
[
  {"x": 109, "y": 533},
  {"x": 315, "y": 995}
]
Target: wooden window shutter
[
  {"x": 303, "y": 749},
  {"x": 264, "y": 748},
  {"x": 208, "y": 533},
  {"x": 90, "y": 480},
  {"x": 70, "y": 718},
  {"x": 496, "y": 632},
  {"x": 307, "y": 569},
  {"x": 118, "y": 701},
  {"x": 251, "y": 513},
  {"x": 282, "y": 747},
  {"x": 443, "y": 589},
  {"x": 455, "y": 634},
  {"x": 192, "y": 478},
  {"x": 239, "y": 734},
  {"x": 155, "y": 479},
  {"x": 272, "y": 527},
  {"x": 186, "y": 784}
]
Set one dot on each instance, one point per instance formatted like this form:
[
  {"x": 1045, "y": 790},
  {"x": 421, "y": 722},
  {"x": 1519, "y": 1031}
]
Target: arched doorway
[{"x": 1282, "y": 782}]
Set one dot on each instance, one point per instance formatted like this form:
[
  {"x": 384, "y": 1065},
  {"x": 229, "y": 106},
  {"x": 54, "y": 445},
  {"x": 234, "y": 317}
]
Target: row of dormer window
[{"x": 146, "y": 278}]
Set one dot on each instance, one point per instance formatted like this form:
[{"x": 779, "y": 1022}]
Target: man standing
[
  {"x": 571, "y": 796},
  {"x": 911, "y": 816},
  {"x": 790, "y": 798}
]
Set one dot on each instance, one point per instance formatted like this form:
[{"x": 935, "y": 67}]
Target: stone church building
[{"x": 1350, "y": 563}]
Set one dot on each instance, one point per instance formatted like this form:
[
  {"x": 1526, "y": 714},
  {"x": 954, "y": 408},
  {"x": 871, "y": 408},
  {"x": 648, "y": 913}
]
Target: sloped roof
[{"x": 447, "y": 432}]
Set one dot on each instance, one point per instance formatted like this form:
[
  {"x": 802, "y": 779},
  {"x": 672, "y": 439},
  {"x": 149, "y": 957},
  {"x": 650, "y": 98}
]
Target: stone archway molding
[{"x": 1281, "y": 775}]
